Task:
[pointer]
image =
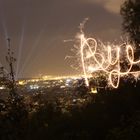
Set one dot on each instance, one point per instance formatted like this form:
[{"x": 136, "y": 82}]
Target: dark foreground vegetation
[{"x": 112, "y": 114}]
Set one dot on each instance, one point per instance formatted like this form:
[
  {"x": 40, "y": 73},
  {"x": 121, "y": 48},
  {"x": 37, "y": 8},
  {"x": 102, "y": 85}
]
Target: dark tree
[{"x": 130, "y": 11}]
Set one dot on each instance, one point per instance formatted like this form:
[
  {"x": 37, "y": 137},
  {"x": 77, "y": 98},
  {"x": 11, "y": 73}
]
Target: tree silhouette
[{"x": 130, "y": 11}]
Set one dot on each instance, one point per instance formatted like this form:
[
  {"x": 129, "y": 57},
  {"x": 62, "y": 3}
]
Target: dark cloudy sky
[{"x": 37, "y": 29}]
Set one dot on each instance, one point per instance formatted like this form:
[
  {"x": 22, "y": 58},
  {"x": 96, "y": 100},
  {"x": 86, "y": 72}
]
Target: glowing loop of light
[{"x": 106, "y": 58}]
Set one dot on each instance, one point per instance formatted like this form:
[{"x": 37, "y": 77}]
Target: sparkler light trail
[{"x": 115, "y": 61}]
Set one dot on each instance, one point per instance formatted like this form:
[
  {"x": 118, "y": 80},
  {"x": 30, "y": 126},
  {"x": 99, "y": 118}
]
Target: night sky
[{"x": 37, "y": 29}]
